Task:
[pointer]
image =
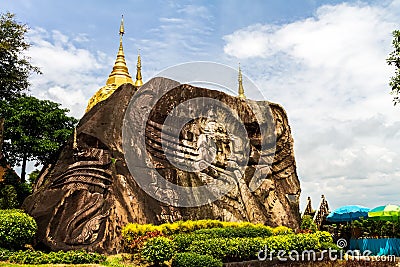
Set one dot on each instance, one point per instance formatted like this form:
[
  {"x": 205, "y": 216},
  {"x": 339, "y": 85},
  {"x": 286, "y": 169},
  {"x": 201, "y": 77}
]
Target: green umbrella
[{"x": 385, "y": 213}]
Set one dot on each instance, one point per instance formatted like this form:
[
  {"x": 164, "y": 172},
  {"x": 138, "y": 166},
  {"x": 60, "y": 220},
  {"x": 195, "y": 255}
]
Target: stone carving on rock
[{"x": 242, "y": 150}]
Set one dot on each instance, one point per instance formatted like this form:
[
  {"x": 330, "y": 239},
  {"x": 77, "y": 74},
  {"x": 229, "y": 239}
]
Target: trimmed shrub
[
  {"x": 16, "y": 229},
  {"x": 182, "y": 241},
  {"x": 133, "y": 230},
  {"x": 240, "y": 249},
  {"x": 228, "y": 249},
  {"x": 60, "y": 257},
  {"x": 158, "y": 250},
  {"x": 247, "y": 231},
  {"x": 187, "y": 259},
  {"x": 185, "y": 232}
]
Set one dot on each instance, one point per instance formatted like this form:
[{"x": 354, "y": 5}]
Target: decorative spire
[
  {"x": 241, "y": 90},
  {"x": 139, "y": 81},
  {"x": 75, "y": 143},
  {"x": 121, "y": 27},
  {"x": 120, "y": 73},
  {"x": 117, "y": 77}
]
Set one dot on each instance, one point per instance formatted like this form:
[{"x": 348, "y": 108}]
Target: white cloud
[
  {"x": 70, "y": 73},
  {"x": 183, "y": 34},
  {"x": 330, "y": 74}
]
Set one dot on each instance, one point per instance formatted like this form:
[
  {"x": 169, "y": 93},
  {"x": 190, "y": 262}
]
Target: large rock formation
[{"x": 241, "y": 148}]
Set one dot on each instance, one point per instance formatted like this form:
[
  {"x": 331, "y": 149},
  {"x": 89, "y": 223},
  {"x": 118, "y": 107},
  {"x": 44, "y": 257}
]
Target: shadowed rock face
[{"x": 85, "y": 199}]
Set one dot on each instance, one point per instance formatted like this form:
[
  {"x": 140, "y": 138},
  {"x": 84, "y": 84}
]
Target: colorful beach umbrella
[
  {"x": 385, "y": 213},
  {"x": 348, "y": 213}
]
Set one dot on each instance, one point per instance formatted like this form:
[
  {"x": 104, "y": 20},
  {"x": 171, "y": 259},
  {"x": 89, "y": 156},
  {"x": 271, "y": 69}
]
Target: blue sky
[{"x": 323, "y": 61}]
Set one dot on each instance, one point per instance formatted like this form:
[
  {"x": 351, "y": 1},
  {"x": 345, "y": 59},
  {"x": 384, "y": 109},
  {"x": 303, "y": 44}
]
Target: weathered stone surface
[{"x": 85, "y": 199}]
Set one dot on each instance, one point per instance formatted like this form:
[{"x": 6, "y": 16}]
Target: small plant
[
  {"x": 137, "y": 243},
  {"x": 158, "y": 250},
  {"x": 307, "y": 223},
  {"x": 195, "y": 260}
]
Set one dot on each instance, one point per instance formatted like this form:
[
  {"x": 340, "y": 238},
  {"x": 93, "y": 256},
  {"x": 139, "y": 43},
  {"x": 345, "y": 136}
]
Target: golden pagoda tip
[{"x": 121, "y": 28}]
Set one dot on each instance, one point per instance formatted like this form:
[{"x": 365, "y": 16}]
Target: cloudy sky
[{"x": 324, "y": 61}]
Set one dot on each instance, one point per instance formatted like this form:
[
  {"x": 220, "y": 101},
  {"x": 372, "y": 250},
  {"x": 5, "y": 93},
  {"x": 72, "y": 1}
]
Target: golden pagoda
[
  {"x": 118, "y": 76},
  {"x": 241, "y": 90}
]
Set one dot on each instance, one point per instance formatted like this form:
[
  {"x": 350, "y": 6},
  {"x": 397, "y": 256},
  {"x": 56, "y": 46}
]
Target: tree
[
  {"x": 15, "y": 67},
  {"x": 394, "y": 59},
  {"x": 1, "y": 136},
  {"x": 34, "y": 130}
]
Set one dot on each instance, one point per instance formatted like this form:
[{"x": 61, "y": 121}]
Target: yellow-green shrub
[
  {"x": 282, "y": 230},
  {"x": 16, "y": 229},
  {"x": 131, "y": 232}
]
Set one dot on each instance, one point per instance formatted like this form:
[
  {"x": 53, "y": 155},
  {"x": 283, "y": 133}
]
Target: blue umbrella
[{"x": 348, "y": 213}]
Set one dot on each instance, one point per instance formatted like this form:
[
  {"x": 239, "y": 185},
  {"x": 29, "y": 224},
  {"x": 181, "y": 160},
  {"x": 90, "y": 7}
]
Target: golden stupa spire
[
  {"x": 120, "y": 73},
  {"x": 241, "y": 90},
  {"x": 139, "y": 81},
  {"x": 118, "y": 76},
  {"x": 121, "y": 29}
]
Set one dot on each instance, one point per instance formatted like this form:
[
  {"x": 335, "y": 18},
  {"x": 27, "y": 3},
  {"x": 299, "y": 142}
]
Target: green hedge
[
  {"x": 228, "y": 249},
  {"x": 60, "y": 257},
  {"x": 187, "y": 259},
  {"x": 16, "y": 229},
  {"x": 240, "y": 249},
  {"x": 183, "y": 241},
  {"x": 247, "y": 231},
  {"x": 131, "y": 232},
  {"x": 135, "y": 230}
]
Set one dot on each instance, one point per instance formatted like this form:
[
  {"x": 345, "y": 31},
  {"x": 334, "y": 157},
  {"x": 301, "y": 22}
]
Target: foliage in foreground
[
  {"x": 134, "y": 233},
  {"x": 242, "y": 249},
  {"x": 188, "y": 259},
  {"x": 16, "y": 229},
  {"x": 158, "y": 250},
  {"x": 60, "y": 257},
  {"x": 231, "y": 244}
]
